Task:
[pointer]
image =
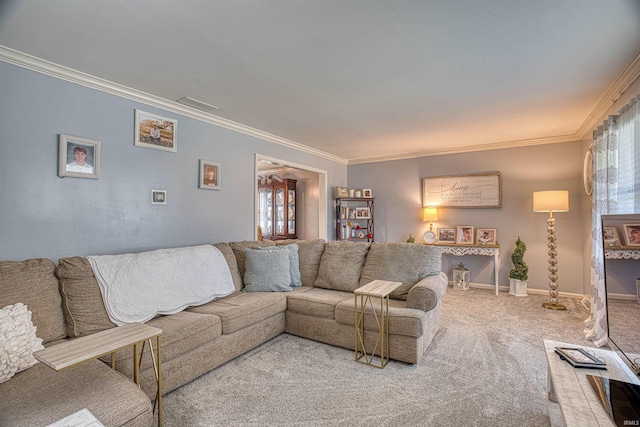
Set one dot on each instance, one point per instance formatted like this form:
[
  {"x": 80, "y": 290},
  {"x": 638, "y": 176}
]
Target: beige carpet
[{"x": 486, "y": 367}]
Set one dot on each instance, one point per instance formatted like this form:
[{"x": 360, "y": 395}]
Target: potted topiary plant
[{"x": 518, "y": 274}]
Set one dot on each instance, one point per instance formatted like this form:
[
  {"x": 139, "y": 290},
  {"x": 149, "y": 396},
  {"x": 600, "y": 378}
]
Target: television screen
[{"x": 622, "y": 282}]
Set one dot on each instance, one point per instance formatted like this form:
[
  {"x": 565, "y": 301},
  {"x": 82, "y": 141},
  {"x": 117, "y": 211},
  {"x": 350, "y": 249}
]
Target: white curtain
[{"x": 616, "y": 190}]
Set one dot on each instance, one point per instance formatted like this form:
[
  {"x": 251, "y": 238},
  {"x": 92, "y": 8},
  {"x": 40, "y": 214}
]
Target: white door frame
[{"x": 322, "y": 184}]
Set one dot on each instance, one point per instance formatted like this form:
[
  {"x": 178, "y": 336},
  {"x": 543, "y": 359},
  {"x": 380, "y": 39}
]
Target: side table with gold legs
[
  {"x": 81, "y": 350},
  {"x": 378, "y": 289}
]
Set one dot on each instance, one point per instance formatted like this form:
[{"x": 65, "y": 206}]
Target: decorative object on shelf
[
  {"x": 411, "y": 239},
  {"x": 552, "y": 201},
  {"x": 158, "y": 197},
  {"x": 447, "y": 235},
  {"x": 154, "y": 131},
  {"x": 631, "y": 234},
  {"x": 483, "y": 190},
  {"x": 209, "y": 175},
  {"x": 366, "y": 192},
  {"x": 610, "y": 237},
  {"x": 519, "y": 273},
  {"x": 464, "y": 235},
  {"x": 363, "y": 213},
  {"x": 486, "y": 236},
  {"x": 352, "y": 192},
  {"x": 461, "y": 277},
  {"x": 341, "y": 192},
  {"x": 430, "y": 215},
  {"x": 358, "y": 194},
  {"x": 78, "y": 157}
]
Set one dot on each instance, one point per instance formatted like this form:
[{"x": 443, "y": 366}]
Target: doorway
[{"x": 312, "y": 194}]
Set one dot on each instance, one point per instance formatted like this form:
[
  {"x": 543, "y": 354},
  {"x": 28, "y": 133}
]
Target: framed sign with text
[{"x": 483, "y": 190}]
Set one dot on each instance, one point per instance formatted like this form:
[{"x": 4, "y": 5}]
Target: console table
[
  {"x": 483, "y": 250},
  {"x": 570, "y": 399},
  {"x": 89, "y": 347}
]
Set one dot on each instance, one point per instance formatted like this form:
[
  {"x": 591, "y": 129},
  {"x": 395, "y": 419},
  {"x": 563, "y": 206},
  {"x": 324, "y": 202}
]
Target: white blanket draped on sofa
[{"x": 136, "y": 287}]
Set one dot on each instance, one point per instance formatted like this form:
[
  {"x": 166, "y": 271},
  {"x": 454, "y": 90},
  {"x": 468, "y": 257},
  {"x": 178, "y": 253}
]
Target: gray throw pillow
[
  {"x": 266, "y": 271},
  {"x": 341, "y": 265},
  {"x": 294, "y": 261}
]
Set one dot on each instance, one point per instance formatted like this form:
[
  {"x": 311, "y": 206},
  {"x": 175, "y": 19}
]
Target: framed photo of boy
[
  {"x": 446, "y": 235},
  {"x": 78, "y": 157},
  {"x": 631, "y": 234},
  {"x": 464, "y": 235},
  {"x": 486, "y": 236},
  {"x": 209, "y": 175},
  {"x": 157, "y": 132}
]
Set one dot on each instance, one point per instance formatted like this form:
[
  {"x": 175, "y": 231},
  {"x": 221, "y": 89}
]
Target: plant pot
[{"x": 518, "y": 287}]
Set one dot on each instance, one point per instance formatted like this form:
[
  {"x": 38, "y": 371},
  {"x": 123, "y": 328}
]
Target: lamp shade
[
  {"x": 551, "y": 201},
  {"x": 430, "y": 214}
]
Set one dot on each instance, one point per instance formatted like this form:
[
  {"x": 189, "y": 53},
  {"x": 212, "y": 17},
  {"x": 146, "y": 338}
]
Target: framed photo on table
[
  {"x": 447, "y": 235},
  {"x": 486, "y": 236},
  {"x": 464, "y": 235},
  {"x": 631, "y": 234},
  {"x": 610, "y": 236}
]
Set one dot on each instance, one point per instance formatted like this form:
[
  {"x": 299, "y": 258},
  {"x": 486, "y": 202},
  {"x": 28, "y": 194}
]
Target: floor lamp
[{"x": 552, "y": 201}]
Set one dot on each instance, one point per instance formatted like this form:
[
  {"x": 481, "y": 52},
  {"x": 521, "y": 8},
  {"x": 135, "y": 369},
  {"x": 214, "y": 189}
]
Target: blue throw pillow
[
  {"x": 266, "y": 271},
  {"x": 294, "y": 261}
]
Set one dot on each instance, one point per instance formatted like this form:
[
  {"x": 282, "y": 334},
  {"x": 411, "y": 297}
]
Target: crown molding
[
  {"x": 467, "y": 149},
  {"x": 42, "y": 66},
  {"x": 617, "y": 89}
]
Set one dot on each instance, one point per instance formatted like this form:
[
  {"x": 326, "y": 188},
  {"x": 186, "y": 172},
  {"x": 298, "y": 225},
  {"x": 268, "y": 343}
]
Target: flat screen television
[{"x": 621, "y": 273}]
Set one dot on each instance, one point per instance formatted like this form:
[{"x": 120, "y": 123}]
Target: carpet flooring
[{"x": 485, "y": 367}]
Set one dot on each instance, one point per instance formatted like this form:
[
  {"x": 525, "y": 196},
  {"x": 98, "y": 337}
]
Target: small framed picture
[
  {"x": 610, "y": 236},
  {"x": 486, "y": 236},
  {"x": 158, "y": 197},
  {"x": 579, "y": 358},
  {"x": 363, "y": 213},
  {"x": 631, "y": 234},
  {"x": 157, "y": 132},
  {"x": 464, "y": 235},
  {"x": 340, "y": 192},
  {"x": 366, "y": 192},
  {"x": 78, "y": 157},
  {"x": 209, "y": 175},
  {"x": 446, "y": 235}
]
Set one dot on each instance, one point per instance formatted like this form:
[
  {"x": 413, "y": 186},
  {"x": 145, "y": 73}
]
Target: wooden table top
[
  {"x": 79, "y": 350},
  {"x": 378, "y": 288}
]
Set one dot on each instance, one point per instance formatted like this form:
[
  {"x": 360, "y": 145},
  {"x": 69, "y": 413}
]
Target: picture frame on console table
[
  {"x": 631, "y": 234},
  {"x": 482, "y": 190},
  {"x": 447, "y": 235},
  {"x": 486, "y": 236},
  {"x": 464, "y": 235},
  {"x": 579, "y": 358}
]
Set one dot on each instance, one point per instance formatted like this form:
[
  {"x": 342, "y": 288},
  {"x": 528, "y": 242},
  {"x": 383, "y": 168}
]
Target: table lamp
[
  {"x": 552, "y": 201},
  {"x": 430, "y": 215}
]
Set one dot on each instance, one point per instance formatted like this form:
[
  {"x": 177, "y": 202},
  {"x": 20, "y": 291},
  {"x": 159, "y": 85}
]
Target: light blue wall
[
  {"x": 42, "y": 215},
  {"x": 397, "y": 187}
]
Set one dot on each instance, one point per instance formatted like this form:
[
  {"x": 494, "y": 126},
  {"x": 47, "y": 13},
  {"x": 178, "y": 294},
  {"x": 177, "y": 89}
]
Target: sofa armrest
[{"x": 425, "y": 294}]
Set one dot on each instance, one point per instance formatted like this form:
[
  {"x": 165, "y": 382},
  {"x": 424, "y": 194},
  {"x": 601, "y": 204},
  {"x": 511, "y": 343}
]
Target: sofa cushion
[
  {"x": 230, "y": 257},
  {"x": 244, "y": 309},
  {"x": 40, "y": 396},
  {"x": 83, "y": 304},
  {"x": 294, "y": 261},
  {"x": 33, "y": 283},
  {"x": 341, "y": 265},
  {"x": 18, "y": 341},
  {"x": 400, "y": 262},
  {"x": 309, "y": 254},
  {"x": 317, "y": 302},
  {"x": 181, "y": 333},
  {"x": 267, "y": 271},
  {"x": 239, "y": 247},
  {"x": 402, "y": 320}
]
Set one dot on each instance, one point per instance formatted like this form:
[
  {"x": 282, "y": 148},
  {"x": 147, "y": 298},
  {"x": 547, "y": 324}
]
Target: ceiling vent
[{"x": 199, "y": 105}]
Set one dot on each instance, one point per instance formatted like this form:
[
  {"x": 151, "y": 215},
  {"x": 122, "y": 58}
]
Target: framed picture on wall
[
  {"x": 158, "y": 197},
  {"x": 464, "y": 235},
  {"x": 157, "y": 132},
  {"x": 632, "y": 234},
  {"x": 78, "y": 157},
  {"x": 209, "y": 175},
  {"x": 446, "y": 235},
  {"x": 486, "y": 236}
]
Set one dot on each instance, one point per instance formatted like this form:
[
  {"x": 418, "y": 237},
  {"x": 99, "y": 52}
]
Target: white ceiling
[{"x": 362, "y": 80}]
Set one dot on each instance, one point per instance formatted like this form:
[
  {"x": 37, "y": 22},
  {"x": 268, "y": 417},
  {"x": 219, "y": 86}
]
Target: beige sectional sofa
[{"x": 68, "y": 304}]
